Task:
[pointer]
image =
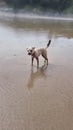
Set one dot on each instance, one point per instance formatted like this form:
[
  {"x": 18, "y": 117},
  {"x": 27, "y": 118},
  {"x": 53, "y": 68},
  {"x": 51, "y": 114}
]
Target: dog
[{"x": 36, "y": 52}]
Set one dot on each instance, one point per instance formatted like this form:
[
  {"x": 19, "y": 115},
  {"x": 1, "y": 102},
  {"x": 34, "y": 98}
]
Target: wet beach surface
[{"x": 32, "y": 99}]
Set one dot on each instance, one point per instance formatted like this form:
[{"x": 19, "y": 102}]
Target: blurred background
[{"x": 38, "y": 6}]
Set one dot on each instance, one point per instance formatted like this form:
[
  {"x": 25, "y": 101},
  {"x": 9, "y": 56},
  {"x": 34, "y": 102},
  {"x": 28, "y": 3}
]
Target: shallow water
[{"x": 32, "y": 99}]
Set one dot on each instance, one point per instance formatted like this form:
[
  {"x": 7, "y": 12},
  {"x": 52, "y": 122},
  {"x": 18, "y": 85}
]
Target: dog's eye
[{"x": 30, "y": 50}]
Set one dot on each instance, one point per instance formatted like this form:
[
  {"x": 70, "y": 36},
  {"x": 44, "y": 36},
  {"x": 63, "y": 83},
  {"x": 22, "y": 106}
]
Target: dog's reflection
[{"x": 35, "y": 75}]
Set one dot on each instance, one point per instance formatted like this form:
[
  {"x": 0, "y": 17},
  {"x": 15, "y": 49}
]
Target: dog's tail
[{"x": 48, "y": 44}]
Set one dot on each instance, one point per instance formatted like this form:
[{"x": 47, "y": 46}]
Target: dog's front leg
[
  {"x": 32, "y": 60},
  {"x": 37, "y": 62}
]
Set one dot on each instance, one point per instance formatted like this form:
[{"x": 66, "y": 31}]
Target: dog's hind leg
[{"x": 45, "y": 57}]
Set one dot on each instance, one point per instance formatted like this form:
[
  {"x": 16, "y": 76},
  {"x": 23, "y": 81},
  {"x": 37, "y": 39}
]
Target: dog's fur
[{"x": 36, "y": 52}]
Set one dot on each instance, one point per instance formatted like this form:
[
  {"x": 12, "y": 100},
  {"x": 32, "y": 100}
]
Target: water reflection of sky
[{"x": 17, "y": 35}]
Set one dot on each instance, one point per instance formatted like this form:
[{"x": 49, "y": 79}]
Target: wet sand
[
  {"x": 32, "y": 99},
  {"x": 35, "y": 99}
]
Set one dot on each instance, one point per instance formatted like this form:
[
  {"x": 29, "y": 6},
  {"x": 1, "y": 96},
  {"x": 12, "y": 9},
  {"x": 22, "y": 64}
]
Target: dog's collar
[{"x": 33, "y": 54}]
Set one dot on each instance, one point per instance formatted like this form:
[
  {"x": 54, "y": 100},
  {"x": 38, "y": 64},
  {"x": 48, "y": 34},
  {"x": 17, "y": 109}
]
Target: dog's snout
[{"x": 29, "y": 53}]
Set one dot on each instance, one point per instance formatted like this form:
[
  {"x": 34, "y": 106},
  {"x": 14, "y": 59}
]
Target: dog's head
[{"x": 30, "y": 50}]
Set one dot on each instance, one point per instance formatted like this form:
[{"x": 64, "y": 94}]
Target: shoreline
[{"x": 36, "y": 16}]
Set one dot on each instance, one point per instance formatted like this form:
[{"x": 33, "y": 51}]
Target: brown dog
[{"x": 36, "y": 52}]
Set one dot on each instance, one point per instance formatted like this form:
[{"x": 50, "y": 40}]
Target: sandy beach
[{"x": 31, "y": 98}]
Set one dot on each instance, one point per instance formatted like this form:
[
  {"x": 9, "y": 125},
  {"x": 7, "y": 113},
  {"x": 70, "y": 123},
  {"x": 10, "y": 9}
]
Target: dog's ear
[{"x": 33, "y": 48}]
